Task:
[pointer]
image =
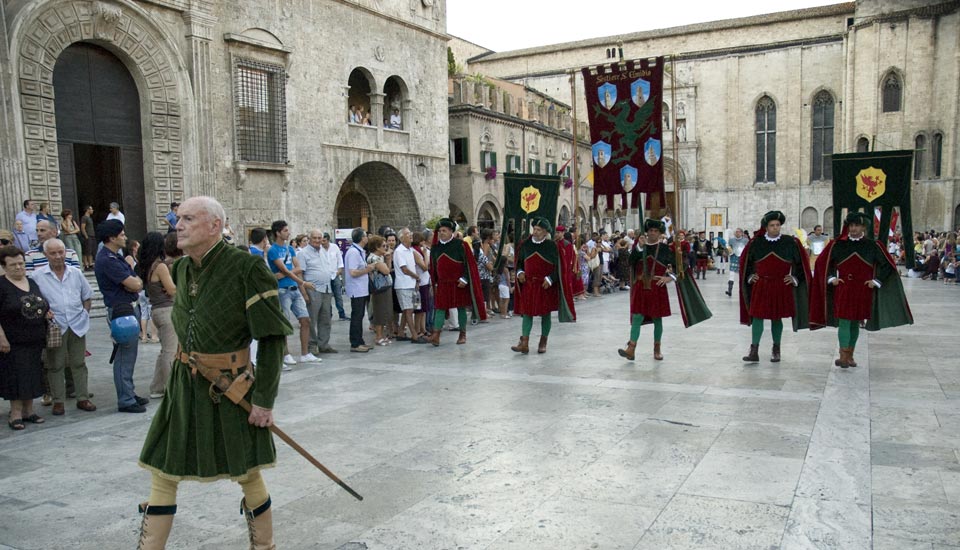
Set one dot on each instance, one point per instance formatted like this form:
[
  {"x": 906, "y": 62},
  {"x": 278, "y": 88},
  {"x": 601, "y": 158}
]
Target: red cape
[{"x": 890, "y": 307}]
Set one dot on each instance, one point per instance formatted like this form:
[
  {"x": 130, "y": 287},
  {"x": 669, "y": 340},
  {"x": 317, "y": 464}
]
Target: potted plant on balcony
[
  {"x": 491, "y": 173},
  {"x": 568, "y": 183}
]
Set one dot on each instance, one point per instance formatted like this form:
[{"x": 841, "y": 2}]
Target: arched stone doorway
[
  {"x": 488, "y": 217},
  {"x": 98, "y": 135},
  {"x": 380, "y": 191},
  {"x": 160, "y": 76},
  {"x": 828, "y": 221},
  {"x": 808, "y": 218},
  {"x": 564, "y": 216}
]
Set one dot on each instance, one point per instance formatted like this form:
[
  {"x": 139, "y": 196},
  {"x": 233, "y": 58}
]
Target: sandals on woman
[
  {"x": 35, "y": 419},
  {"x": 16, "y": 424}
]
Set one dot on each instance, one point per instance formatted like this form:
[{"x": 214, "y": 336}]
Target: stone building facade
[
  {"x": 246, "y": 101},
  {"x": 498, "y": 127},
  {"x": 762, "y": 102}
]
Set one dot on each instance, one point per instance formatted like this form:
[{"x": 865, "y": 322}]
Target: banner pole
[
  {"x": 574, "y": 160},
  {"x": 678, "y": 247}
]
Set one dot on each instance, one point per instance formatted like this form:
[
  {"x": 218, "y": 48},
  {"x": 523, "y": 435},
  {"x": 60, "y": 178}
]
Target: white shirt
[
  {"x": 424, "y": 274},
  {"x": 118, "y": 216},
  {"x": 335, "y": 255},
  {"x": 66, "y": 297},
  {"x": 319, "y": 267},
  {"x": 403, "y": 256}
]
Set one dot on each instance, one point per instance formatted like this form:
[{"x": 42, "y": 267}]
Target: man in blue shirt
[
  {"x": 28, "y": 217},
  {"x": 172, "y": 217},
  {"x": 119, "y": 285},
  {"x": 69, "y": 295},
  {"x": 356, "y": 274},
  {"x": 282, "y": 259}
]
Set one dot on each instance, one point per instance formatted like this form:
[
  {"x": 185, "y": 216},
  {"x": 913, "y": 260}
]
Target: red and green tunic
[
  {"x": 647, "y": 298},
  {"x": 449, "y": 263},
  {"x": 856, "y": 262},
  {"x": 538, "y": 261},
  {"x": 568, "y": 257},
  {"x": 220, "y": 306},
  {"x": 770, "y": 297}
]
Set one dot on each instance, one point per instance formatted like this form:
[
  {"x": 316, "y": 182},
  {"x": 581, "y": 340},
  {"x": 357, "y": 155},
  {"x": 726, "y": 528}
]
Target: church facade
[
  {"x": 761, "y": 103},
  {"x": 148, "y": 102}
]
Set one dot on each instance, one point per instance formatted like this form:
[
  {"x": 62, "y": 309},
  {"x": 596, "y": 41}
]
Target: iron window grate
[{"x": 260, "y": 111}]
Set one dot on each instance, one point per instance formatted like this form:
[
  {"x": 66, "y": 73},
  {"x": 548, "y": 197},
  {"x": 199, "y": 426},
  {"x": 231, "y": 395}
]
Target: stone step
[{"x": 97, "y": 309}]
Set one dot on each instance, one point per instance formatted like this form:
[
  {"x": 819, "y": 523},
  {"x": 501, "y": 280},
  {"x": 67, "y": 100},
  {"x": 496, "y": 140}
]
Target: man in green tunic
[{"x": 224, "y": 299}]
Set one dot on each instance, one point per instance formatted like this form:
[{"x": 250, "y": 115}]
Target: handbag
[
  {"x": 381, "y": 282},
  {"x": 594, "y": 262},
  {"x": 54, "y": 336}
]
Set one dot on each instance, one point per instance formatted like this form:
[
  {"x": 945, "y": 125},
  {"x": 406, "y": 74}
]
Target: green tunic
[{"x": 236, "y": 300}]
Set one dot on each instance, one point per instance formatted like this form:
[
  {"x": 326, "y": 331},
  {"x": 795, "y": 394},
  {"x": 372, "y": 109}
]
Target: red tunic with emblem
[
  {"x": 449, "y": 264},
  {"x": 771, "y": 261},
  {"x": 855, "y": 262},
  {"x": 647, "y": 298},
  {"x": 853, "y": 299},
  {"x": 534, "y": 260}
]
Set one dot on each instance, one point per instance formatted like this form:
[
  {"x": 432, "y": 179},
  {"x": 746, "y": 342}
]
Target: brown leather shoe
[
  {"x": 630, "y": 351},
  {"x": 86, "y": 405},
  {"x": 656, "y": 351},
  {"x": 523, "y": 346},
  {"x": 57, "y": 409},
  {"x": 463, "y": 337},
  {"x": 542, "y": 348}
]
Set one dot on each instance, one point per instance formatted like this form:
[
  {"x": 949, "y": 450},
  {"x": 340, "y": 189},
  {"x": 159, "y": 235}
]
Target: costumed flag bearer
[
  {"x": 855, "y": 280},
  {"x": 455, "y": 279},
  {"x": 541, "y": 287},
  {"x": 651, "y": 269},
  {"x": 774, "y": 283}
]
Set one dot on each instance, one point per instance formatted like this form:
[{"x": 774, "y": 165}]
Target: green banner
[
  {"x": 527, "y": 196},
  {"x": 875, "y": 180}
]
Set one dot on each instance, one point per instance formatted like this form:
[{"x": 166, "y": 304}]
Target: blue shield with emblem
[
  {"x": 639, "y": 92},
  {"x": 651, "y": 151},
  {"x": 601, "y": 153},
  {"x": 607, "y": 93},
  {"x": 628, "y": 178}
]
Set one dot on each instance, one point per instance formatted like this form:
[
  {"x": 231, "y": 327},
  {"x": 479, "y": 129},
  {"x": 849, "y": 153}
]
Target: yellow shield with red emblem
[
  {"x": 529, "y": 199},
  {"x": 871, "y": 183}
]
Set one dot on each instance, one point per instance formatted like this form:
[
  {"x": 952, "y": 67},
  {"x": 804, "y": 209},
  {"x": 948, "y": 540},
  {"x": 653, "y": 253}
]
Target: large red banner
[{"x": 624, "y": 107}]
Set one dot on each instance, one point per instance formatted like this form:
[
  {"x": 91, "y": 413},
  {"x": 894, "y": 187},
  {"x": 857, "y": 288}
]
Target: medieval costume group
[
  {"x": 214, "y": 422},
  {"x": 854, "y": 283}
]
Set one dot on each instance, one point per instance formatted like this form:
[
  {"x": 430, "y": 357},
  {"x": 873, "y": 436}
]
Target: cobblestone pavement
[{"x": 476, "y": 447}]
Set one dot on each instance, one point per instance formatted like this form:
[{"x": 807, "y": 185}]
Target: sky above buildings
[{"x": 503, "y": 25}]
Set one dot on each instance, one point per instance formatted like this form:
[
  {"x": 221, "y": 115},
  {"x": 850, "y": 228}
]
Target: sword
[{"x": 222, "y": 384}]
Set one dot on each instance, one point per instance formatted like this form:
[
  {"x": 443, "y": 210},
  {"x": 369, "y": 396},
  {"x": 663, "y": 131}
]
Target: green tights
[
  {"x": 440, "y": 317},
  {"x": 637, "y": 320},
  {"x": 848, "y": 332},
  {"x": 545, "y": 324},
  {"x": 776, "y": 328}
]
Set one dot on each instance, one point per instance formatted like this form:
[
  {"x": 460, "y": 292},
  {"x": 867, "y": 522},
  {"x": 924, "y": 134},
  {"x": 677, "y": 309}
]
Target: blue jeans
[
  {"x": 336, "y": 286},
  {"x": 123, "y": 363}
]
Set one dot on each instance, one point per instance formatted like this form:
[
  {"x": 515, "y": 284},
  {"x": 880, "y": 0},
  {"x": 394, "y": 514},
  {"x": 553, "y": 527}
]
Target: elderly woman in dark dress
[{"x": 23, "y": 333}]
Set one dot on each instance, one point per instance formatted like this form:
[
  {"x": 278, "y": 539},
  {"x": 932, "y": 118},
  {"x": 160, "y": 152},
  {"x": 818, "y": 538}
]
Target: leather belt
[{"x": 231, "y": 361}]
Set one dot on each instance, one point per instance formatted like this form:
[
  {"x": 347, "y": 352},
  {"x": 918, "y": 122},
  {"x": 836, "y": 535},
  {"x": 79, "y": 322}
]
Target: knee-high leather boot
[
  {"x": 155, "y": 527},
  {"x": 259, "y": 525}
]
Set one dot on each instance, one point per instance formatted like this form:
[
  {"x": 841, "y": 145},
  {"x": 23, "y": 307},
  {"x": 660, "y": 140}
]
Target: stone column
[
  {"x": 199, "y": 35},
  {"x": 376, "y": 115},
  {"x": 406, "y": 122},
  {"x": 13, "y": 182}
]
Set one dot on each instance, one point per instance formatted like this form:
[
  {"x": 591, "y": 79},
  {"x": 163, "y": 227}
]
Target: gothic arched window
[
  {"x": 766, "y": 130},
  {"x": 822, "y": 137}
]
